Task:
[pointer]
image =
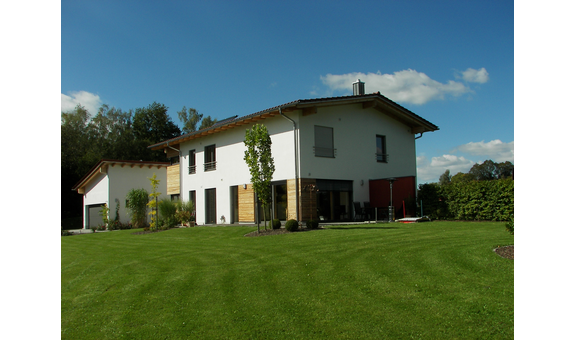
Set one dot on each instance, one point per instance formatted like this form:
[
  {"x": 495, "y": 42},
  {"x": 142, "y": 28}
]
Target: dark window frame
[
  {"x": 192, "y": 162},
  {"x": 210, "y": 157},
  {"x": 323, "y": 147},
  {"x": 381, "y": 157}
]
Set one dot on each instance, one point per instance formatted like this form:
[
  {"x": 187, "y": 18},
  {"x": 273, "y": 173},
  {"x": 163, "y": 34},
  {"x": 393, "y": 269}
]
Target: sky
[{"x": 450, "y": 62}]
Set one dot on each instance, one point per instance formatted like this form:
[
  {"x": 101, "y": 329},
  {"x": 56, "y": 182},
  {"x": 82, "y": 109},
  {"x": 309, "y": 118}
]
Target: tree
[
  {"x": 445, "y": 178},
  {"x": 490, "y": 170},
  {"x": 207, "y": 122},
  {"x": 258, "y": 157},
  {"x": 153, "y": 125},
  {"x": 190, "y": 118},
  {"x": 153, "y": 202}
]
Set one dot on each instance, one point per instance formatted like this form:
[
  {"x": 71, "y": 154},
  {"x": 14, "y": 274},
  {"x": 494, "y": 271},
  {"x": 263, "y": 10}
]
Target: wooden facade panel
[
  {"x": 291, "y": 200},
  {"x": 173, "y": 180},
  {"x": 246, "y": 203}
]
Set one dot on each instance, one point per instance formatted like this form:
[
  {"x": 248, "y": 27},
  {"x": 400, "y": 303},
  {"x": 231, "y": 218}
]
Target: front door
[{"x": 211, "y": 206}]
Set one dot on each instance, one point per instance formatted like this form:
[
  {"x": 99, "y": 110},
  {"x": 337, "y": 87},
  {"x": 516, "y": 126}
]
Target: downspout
[
  {"x": 181, "y": 172},
  {"x": 296, "y": 163}
]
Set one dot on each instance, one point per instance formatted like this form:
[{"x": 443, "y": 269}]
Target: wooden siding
[
  {"x": 246, "y": 203},
  {"x": 291, "y": 200},
  {"x": 173, "y": 181}
]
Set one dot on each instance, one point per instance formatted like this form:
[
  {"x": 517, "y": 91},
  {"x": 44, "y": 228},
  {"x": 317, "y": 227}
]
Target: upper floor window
[
  {"x": 192, "y": 162},
  {"x": 380, "y": 149},
  {"x": 323, "y": 142},
  {"x": 210, "y": 158}
]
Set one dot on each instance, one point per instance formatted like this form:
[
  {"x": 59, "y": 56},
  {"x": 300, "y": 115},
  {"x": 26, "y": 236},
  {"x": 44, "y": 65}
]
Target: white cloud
[
  {"x": 476, "y": 76},
  {"x": 495, "y": 150},
  {"x": 90, "y": 101},
  {"x": 428, "y": 172},
  {"x": 407, "y": 86}
]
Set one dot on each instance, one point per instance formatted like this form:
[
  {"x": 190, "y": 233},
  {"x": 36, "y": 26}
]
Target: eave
[{"x": 103, "y": 165}]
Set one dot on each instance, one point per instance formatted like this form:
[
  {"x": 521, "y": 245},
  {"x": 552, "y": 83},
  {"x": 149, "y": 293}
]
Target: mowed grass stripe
[{"x": 438, "y": 279}]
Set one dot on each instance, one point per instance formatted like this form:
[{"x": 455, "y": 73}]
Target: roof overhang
[
  {"x": 103, "y": 165},
  {"x": 308, "y": 107}
]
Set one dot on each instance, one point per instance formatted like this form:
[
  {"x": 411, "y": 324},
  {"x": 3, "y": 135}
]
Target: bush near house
[
  {"x": 312, "y": 224},
  {"x": 276, "y": 224},
  {"x": 292, "y": 225},
  {"x": 474, "y": 200}
]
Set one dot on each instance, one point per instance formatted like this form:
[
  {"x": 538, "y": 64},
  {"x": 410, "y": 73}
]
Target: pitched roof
[
  {"x": 309, "y": 106},
  {"x": 102, "y": 163}
]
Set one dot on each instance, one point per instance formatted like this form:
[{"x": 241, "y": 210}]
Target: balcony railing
[
  {"x": 381, "y": 157},
  {"x": 191, "y": 169},
  {"x": 324, "y": 152},
  {"x": 210, "y": 166}
]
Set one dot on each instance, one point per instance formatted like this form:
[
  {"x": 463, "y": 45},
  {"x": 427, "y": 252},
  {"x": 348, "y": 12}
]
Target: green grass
[{"x": 437, "y": 280}]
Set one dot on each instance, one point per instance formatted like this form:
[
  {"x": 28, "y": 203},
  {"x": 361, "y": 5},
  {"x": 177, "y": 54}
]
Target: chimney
[{"x": 358, "y": 88}]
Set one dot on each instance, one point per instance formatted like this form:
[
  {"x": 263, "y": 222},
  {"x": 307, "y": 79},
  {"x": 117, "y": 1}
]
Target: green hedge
[{"x": 475, "y": 200}]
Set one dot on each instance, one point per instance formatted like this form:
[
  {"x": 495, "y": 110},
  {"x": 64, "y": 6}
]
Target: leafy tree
[
  {"x": 460, "y": 177},
  {"x": 445, "y": 178},
  {"x": 490, "y": 170},
  {"x": 207, "y": 122},
  {"x": 190, "y": 118},
  {"x": 154, "y": 124},
  {"x": 258, "y": 157}
]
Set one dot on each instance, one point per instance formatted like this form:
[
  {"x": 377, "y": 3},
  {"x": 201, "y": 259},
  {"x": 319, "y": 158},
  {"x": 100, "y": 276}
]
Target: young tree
[
  {"x": 207, "y": 122},
  {"x": 258, "y": 157},
  {"x": 153, "y": 202}
]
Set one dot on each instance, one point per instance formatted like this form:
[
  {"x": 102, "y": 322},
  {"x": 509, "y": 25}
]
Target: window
[
  {"x": 323, "y": 142},
  {"x": 175, "y": 197},
  {"x": 193, "y": 200},
  {"x": 192, "y": 162},
  {"x": 210, "y": 158},
  {"x": 380, "y": 149}
]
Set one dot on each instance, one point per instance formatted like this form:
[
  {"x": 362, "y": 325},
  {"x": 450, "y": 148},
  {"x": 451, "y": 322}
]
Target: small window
[
  {"x": 175, "y": 197},
  {"x": 192, "y": 162},
  {"x": 380, "y": 149},
  {"x": 210, "y": 158},
  {"x": 323, "y": 142}
]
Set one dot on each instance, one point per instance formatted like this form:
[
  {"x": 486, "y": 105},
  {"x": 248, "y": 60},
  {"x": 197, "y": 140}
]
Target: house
[
  {"x": 328, "y": 154},
  {"x": 109, "y": 181}
]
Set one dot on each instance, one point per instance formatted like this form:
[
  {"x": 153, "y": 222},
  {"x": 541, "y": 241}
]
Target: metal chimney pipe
[{"x": 358, "y": 88}]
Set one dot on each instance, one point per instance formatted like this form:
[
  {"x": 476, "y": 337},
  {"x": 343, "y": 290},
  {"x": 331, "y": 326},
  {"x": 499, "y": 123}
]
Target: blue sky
[{"x": 451, "y": 62}]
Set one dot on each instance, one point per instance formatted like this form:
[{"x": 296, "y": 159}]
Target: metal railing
[
  {"x": 382, "y": 157},
  {"x": 324, "y": 152},
  {"x": 210, "y": 166},
  {"x": 191, "y": 169}
]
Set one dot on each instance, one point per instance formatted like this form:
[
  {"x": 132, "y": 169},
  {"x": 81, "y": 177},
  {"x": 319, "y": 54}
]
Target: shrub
[
  {"x": 185, "y": 211},
  {"x": 292, "y": 225},
  {"x": 276, "y": 224},
  {"x": 510, "y": 226},
  {"x": 136, "y": 203},
  {"x": 168, "y": 210},
  {"x": 312, "y": 224},
  {"x": 93, "y": 229},
  {"x": 66, "y": 233}
]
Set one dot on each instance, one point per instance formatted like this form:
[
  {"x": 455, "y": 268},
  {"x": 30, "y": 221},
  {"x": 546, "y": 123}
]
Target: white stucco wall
[
  {"x": 354, "y": 129},
  {"x": 354, "y": 134},
  {"x": 231, "y": 169},
  {"x": 124, "y": 179},
  {"x": 115, "y": 183}
]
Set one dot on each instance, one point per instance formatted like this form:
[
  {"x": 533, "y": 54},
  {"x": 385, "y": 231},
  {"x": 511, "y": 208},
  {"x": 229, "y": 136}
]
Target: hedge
[{"x": 475, "y": 200}]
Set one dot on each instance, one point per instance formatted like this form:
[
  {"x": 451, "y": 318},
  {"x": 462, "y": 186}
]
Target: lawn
[{"x": 435, "y": 280}]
